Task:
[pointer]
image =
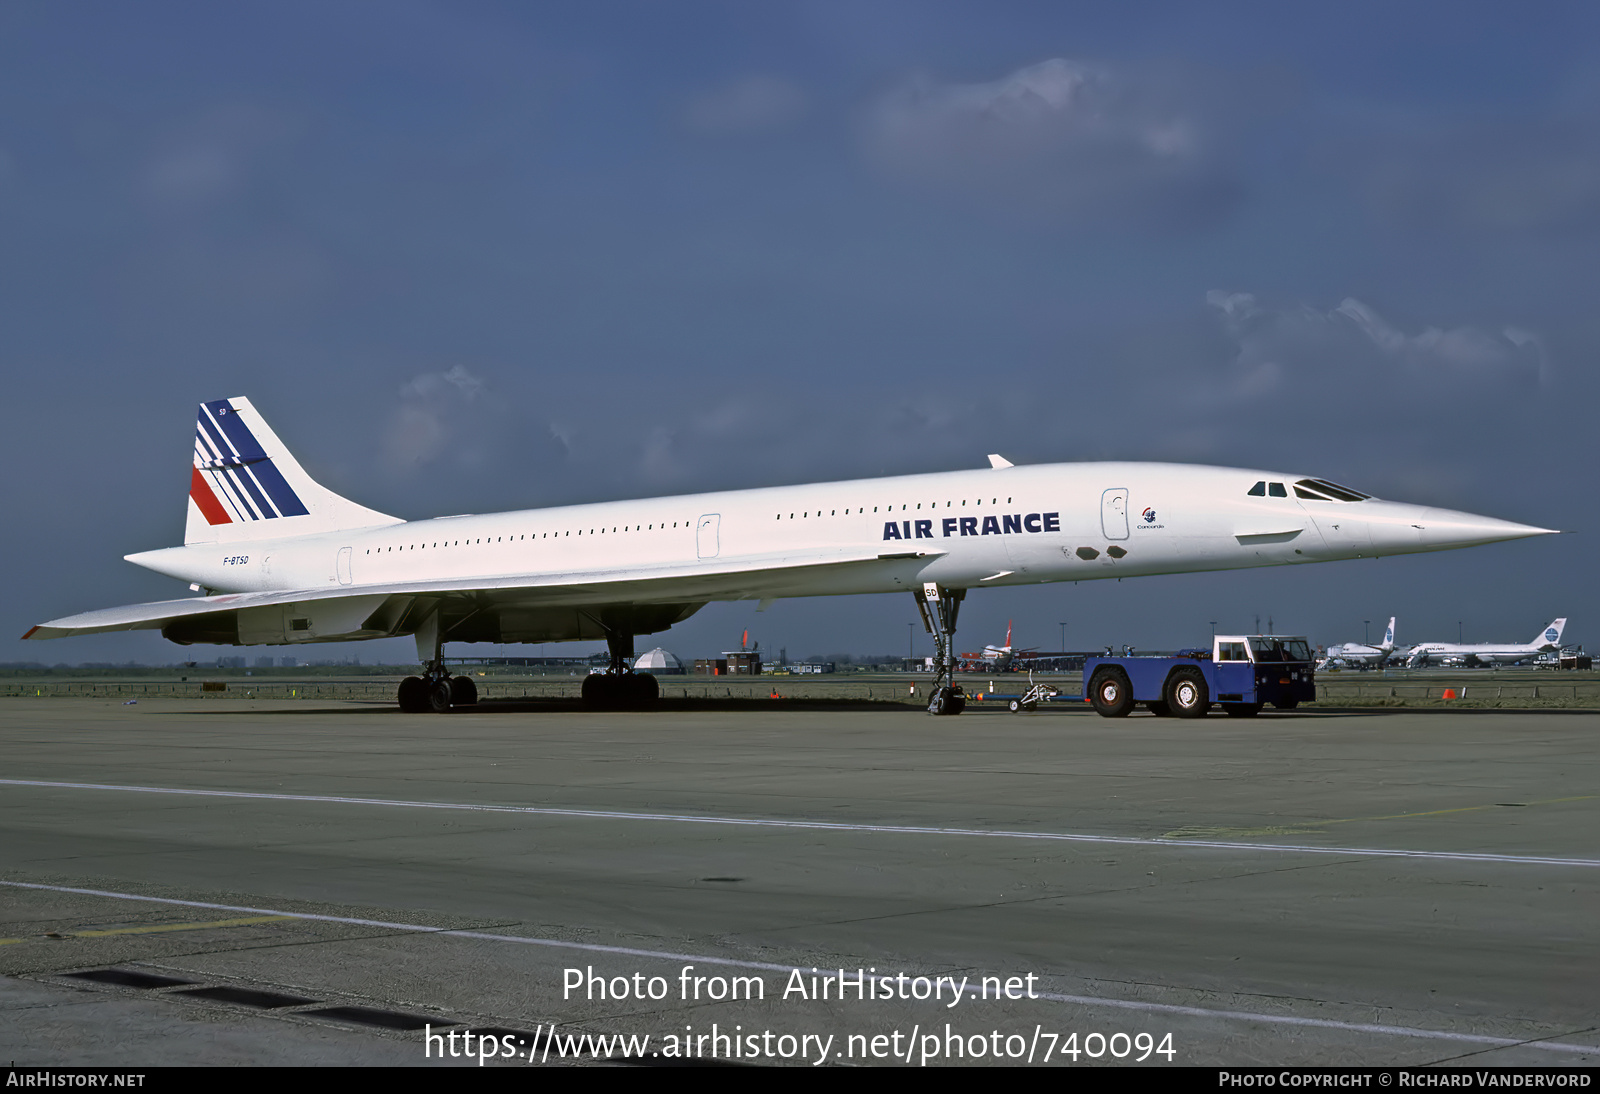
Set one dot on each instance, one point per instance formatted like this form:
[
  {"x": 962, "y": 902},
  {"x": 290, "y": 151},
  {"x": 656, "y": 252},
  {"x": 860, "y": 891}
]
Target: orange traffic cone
[{"x": 1449, "y": 693}]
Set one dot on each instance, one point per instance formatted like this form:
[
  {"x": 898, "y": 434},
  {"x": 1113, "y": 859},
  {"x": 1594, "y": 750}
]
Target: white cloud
[
  {"x": 1532, "y": 174},
  {"x": 426, "y": 423},
  {"x": 1352, "y": 340},
  {"x": 753, "y": 104},
  {"x": 212, "y": 156},
  {"x": 1069, "y": 139},
  {"x": 466, "y": 385}
]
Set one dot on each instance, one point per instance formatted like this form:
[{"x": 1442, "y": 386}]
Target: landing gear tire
[
  {"x": 1016, "y": 706},
  {"x": 413, "y": 695},
  {"x": 438, "y": 698},
  {"x": 463, "y": 692},
  {"x": 628, "y": 691},
  {"x": 1159, "y": 709},
  {"x": 947, "y": 700},
  {"x": 1242, "y": 710},
  {"x": 1110, "y": 694},
  {"x": 1187, "y": 693},
  {"x": 642, "y": 690}
]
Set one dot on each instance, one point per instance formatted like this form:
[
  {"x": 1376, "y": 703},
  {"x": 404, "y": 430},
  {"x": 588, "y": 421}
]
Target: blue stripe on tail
[{"x": 255, "y": 470}]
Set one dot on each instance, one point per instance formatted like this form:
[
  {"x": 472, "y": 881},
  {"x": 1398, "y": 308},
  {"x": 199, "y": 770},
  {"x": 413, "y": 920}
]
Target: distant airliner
[
  {"x": 281, "y": 560},
  {"x": 1361, "y": 654},
  {"x": 1487, "y": 654},
  {"x": 997, "y": 658}
]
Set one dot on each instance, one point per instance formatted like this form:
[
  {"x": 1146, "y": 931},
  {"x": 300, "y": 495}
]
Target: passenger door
[
  {"x": 706, "y": 535},
  {"x": 1114, "y": 513}
]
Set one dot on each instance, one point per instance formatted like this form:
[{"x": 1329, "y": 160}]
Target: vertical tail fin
[
  {"x": 1388, "y": 636},
  {"x": 1551, "y": 635},
  {"x": 246, "y": 485}
]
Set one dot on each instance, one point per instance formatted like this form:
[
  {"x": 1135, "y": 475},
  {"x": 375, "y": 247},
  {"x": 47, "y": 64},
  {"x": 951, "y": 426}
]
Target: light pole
[
  {"x": 1063, "y": 627},
  {"x": 1366, "y": 639},
  {"x": 1213, "y": 629},
  {"x": 908, "y": 640}
]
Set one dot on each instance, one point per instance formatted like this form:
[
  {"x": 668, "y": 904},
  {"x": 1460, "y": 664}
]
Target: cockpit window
[
  {"x": 1259, "y": 490},
  {"x": 1334, "y": 490},
  {"x": 1275, "y": 489},
  {"x": 1302, "y": 492}
]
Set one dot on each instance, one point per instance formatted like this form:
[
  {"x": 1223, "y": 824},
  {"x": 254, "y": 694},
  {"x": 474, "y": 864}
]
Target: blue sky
[{"x": 472, "y": 257}]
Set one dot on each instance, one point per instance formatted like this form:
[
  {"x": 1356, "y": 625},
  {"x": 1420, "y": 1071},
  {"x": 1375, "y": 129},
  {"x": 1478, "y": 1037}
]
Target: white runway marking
[
  {"x": 701, "y": 959},
  {"x": 838, "y": 826}
]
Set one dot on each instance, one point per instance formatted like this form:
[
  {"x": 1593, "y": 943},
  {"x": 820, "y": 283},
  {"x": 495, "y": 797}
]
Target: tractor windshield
[{"x": 1268, "y": 649}]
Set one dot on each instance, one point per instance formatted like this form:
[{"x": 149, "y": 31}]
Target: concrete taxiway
[{"x": 1345, "y": 888}]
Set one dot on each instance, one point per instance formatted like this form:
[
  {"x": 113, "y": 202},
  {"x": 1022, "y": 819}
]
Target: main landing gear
[
  {"x": 435, "y": 691},
  {"x": 625, "y": 691},
  {"x": 619, "y": 687},
  {"x": 939, "y": 608}
]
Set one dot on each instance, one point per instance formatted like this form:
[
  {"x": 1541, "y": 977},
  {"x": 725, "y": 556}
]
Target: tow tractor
[{"x": 1239, "y": 673}]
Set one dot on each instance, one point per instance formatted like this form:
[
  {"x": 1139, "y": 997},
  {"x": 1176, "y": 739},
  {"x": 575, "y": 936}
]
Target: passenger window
[
  {"x": 1259, "y": 490},
  {"x": 1276, "y": 490}
]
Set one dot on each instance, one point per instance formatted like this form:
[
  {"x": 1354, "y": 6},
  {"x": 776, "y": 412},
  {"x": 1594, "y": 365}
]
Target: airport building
[
  {"x": 731, "y": 663},
  {"x": 658, "y": 662}
]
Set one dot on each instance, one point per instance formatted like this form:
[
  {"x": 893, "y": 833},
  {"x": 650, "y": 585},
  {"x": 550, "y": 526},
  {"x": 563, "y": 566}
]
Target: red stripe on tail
[{"x": 210, "y": 507}]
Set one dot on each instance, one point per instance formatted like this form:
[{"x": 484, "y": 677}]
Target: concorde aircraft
[{"x": 280, "y": 560}]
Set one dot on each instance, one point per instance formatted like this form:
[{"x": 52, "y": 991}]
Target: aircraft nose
[{"x": 1441, "y": 528}]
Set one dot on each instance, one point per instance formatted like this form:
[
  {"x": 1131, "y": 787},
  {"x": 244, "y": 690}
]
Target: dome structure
[{"x": 659, "y": 662}]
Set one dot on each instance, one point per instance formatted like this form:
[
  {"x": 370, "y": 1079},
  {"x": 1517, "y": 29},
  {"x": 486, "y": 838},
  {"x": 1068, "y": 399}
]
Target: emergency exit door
[{"x": 1114, "y": 512}]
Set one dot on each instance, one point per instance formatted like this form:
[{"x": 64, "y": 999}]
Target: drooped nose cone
[
  {"x": 1449, "y": 528},
  {"x": 1397, "y": 527}
]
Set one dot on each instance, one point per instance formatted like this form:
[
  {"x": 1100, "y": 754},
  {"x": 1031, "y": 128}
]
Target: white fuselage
[
  {"x": 1440, "y": 653},
  {"x": 1017, "y": 525},
  {"x": 1354, "y": 653}
]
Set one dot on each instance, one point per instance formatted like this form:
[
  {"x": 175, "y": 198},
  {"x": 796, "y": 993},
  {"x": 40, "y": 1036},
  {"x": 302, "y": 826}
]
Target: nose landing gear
[{"x": 939, "y": 608}]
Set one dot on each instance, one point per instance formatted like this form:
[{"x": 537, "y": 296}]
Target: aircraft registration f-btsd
[{"x": 281, "y": 560}]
